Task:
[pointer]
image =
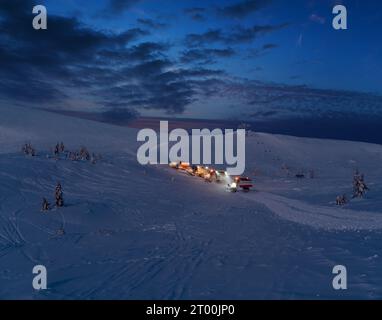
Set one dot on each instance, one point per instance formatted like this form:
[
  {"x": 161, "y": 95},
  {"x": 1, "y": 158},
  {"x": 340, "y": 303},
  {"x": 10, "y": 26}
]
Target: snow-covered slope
[
  {"x": 328, "y": 166},
  {"x": 20, "y": 125},
  {"x": 136, "y": 232}
]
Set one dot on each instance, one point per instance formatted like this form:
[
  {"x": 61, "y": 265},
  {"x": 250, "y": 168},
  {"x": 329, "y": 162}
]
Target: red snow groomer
[
  {"x": 244, "y": 183},
  {"x": 183, "y": 167}
]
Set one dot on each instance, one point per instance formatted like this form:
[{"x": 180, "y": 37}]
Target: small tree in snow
[
  {"x": 359, "y": 185},
  {"x": 59, "y": 196},
  {"x": 56, "y": 150},
  {"x": 341, "y": 200},
  {"x": 84, "y": 154},
  {"x": 93, "y": 158},
  {"x": 72, "y": 156},
  {"x": 27, "y": 149},
  {"x": 45, "y": 205},
  {"x": 62, "y": 147}
]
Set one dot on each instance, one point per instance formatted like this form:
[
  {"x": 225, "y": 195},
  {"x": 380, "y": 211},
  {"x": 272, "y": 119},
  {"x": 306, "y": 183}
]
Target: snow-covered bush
[{"x": 359, "y": 185}]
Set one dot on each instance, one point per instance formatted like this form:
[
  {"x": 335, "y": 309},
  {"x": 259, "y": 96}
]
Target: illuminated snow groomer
[
  {"x": 237, "y": 183},
  {"x": 210, "y": 175},
  {"x": 232, "y": 187},
  {"x": 202, "y": 171},
  {"x": 244, "y": 183},
  {"x": 222, "y": 176},
  {"x": 184, "y": 167},
  {"x": 174, "y": 165}
]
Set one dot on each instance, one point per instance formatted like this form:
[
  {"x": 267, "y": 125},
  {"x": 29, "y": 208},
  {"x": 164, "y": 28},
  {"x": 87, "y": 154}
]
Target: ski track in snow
[{"x": 317, "y": 216}]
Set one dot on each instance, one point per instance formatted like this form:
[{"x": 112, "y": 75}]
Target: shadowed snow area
[{"x": 134, "y": 232}]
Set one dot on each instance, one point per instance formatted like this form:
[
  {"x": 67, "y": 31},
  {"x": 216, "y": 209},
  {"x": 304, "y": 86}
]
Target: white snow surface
[{"x": 134, "y": 232}]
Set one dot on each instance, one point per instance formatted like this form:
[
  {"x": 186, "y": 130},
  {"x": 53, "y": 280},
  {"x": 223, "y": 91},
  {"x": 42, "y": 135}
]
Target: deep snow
[{"x": 134, "y": 232}]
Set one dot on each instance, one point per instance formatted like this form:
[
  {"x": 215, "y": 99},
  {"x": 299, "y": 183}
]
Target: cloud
[
  {"x": 141, "y": 52},
  {"x": 287, "y": 101},
  {"x": 35, "y": 63},
  {"x": 71, "y": 61},
  {"x": 205, "y": 56},
  {"x": 196, "y": 13},
  {"x": 317, "y": 19},
  {"x": 194, "y": 10},
  {"x": 117, "y": 7},
  {"x": 263, "y": 114},
  {"x": 269, "y": 46},
  {"x": 152, "y": 24},
  {"x": 243, "y": 8},
  {"x": 236, "y": 35},
  {"x": 210, "y": 36},
  {"x": 262, "y": 50},
  {"x": 240, "y": 34},
  {"x": 125, "y": 72},
  {"x": 119, "y": 115}
]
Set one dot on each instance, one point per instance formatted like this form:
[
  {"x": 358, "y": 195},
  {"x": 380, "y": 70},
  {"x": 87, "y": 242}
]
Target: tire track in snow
[{"x": 189, "y": 268}]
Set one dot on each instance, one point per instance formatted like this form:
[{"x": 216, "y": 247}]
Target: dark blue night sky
[{"x": 224, "y": 59}]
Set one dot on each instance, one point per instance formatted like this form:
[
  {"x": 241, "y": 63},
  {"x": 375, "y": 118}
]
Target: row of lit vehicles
[{"x": 212, "y": 175}]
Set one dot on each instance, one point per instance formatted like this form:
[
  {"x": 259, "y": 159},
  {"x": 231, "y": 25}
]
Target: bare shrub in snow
[
  {"x": 45, "y": 205},
  {"x": 59, "y": 196},
  {"x": 359, "y": 185},
  {"x": 28, "y": 150},
  {"x": 341, "y": 200}
]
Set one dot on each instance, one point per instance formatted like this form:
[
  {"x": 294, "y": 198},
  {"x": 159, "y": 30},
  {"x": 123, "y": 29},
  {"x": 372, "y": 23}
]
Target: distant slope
[
  {"x": 338, "y": 126},
  {"x": 19, "y": 125}
]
